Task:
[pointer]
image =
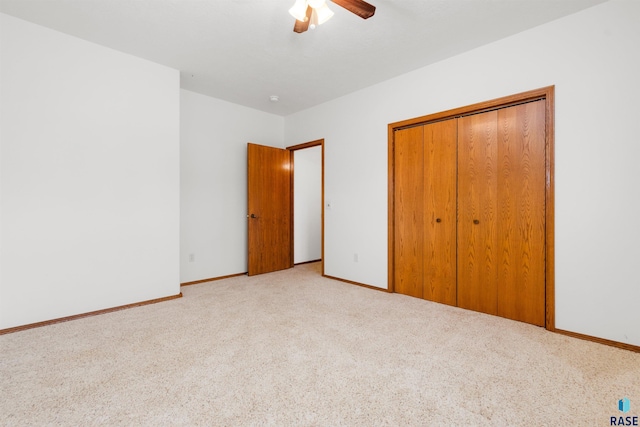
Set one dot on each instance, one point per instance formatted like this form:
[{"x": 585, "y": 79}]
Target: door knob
[
  {"x": 475, "y": 221},
  {"x": 253, "y": 216},
  {"x": 438, "y": 220}
]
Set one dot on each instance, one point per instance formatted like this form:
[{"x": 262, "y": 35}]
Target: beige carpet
[{"x": 293, "y": 348}]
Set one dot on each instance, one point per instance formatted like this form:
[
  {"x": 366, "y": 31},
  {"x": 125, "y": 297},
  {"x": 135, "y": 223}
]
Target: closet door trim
[{"x": 546, "y": 93}]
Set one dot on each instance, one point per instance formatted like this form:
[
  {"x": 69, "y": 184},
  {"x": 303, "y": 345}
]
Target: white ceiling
[{"x": 243, "y": 51}]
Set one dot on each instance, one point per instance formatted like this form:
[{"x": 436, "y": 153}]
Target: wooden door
[
  {"x": 269, "y": 209},
  {"x": 408, "y": 211},
  {"x": 503, "y": 263},
  {"x": 478, "y": 255},
  {"x": 439, "y": 205},
  {"x": 521, "y": 212}
]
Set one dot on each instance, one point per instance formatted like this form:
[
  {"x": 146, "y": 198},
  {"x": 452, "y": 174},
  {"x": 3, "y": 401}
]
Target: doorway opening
[{"x": 307, "y": 202}]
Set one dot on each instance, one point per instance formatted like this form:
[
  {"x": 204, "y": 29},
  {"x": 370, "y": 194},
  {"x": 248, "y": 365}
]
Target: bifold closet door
[
  {"x": 425, "y": 211},
  {"x": 477, "y": 212},
  {"x": 469, "y": 212},
  {"x": 408, "y": 211},
  {"x": 501, "y": 212},
  {"x": 521, "y": 212},
  {"x": 440, "y": 176}
]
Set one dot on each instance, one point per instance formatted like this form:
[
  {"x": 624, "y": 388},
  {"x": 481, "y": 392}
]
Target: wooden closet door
[
  {"x": 521, "y": 211},
  {"x": 408, "y": 211},
  {"x": 477, "y": 217},
  {"x": 440, "y": 176}
]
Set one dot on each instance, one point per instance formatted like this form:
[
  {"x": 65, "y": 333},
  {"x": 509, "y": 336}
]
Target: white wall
[
  {"x": 89, "y": 147},
  {"x": 213, "y": 167},
  {"x": 307, "y": 204},
  {"x": 592, "y": 58}
]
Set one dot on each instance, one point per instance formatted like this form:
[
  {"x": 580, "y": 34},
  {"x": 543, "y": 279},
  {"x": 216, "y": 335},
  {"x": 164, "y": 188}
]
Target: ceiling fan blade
[
  {"x": 300, "y": 26},
  {"x": 361, "y": 8}
]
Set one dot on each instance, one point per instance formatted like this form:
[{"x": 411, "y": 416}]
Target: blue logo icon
[{"x": 624, "y": 405}]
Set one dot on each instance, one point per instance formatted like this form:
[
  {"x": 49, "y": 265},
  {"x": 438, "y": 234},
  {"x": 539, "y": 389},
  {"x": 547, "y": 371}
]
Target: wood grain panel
[
  {"x": 477, "y": 216},
  {"x": 440, "y": 177},
  {"x": 550, "y": 293},
  {"x": 269, "y": 209},
  {"x": 408, "y": 211},
  {"x": 521, "y": 207},
  {"x": 359, "y": 7},
  {"x": 548, "y": 95}
]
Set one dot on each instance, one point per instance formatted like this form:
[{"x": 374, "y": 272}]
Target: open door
[{"x": 269, "y": 205}]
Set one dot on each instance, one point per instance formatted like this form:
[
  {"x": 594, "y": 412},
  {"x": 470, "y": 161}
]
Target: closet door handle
[
  {"x": 438, "y": 220},
  {"x": 475, "y": 221}
]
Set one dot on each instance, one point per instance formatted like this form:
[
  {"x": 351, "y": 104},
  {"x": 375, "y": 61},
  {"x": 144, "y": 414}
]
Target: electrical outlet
[{"x": 192, "y": 257}]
